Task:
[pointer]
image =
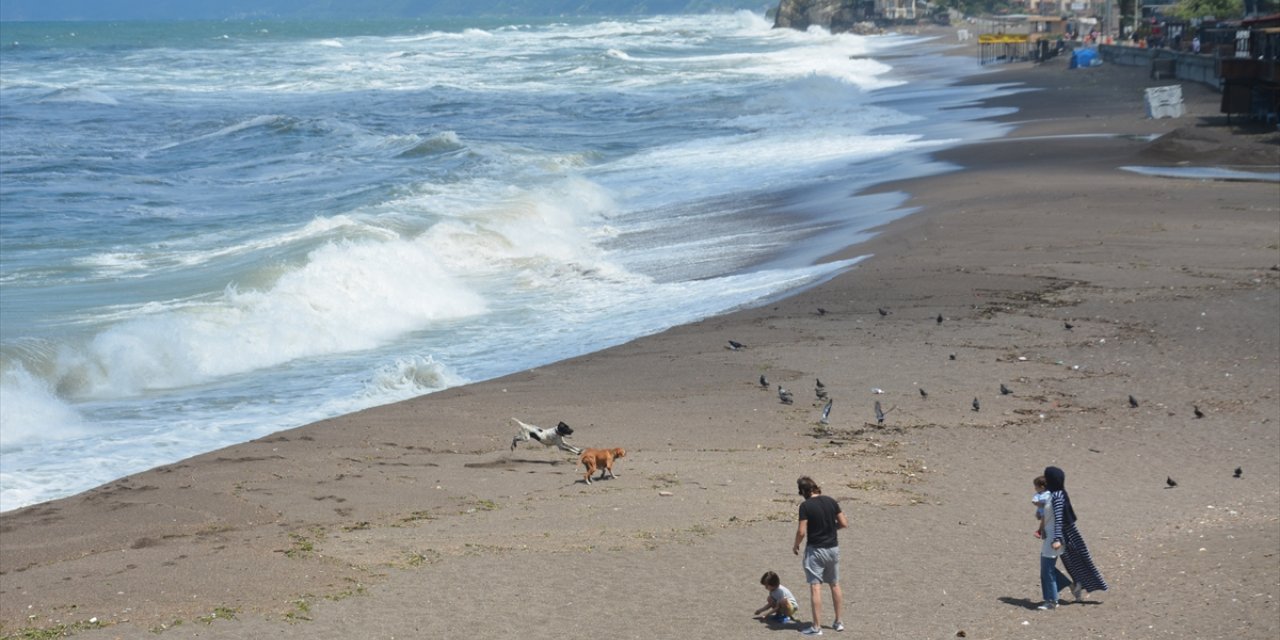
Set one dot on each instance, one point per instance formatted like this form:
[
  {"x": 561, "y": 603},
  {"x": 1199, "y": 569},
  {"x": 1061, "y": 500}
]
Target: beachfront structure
[
  {"x": 896, "y": 9},
  {"x": 1063, "y": 7}
]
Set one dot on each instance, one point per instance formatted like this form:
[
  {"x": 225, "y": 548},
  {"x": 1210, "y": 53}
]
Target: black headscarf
[{"x": 1055, "y": 480}]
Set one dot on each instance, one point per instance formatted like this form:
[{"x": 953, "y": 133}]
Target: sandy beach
[{"x": 418, "y": 520}]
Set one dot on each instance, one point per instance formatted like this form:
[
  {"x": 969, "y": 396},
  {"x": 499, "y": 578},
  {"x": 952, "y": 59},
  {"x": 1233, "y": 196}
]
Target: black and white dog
[{"x": 549, "y": 437}]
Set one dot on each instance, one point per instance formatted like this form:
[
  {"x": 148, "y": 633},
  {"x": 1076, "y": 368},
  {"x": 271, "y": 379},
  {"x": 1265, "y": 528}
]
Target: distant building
[
  {"x": 896, "y": 9},
  {"x": 1070, "y": 8}
]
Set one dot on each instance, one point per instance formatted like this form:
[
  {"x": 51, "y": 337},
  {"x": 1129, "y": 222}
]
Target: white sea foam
[
  {"x": 348, "y": 296},
  {"x": 205, "y": 249},
  {"x": 31, "y": 411},
  {"x": 409, "y": 377}
]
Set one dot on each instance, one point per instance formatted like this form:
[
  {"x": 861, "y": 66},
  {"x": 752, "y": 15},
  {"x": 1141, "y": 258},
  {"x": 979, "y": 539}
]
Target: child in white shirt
[
  {"x": 1040, "y": 500},
  {"x": 781, "y": 602}
]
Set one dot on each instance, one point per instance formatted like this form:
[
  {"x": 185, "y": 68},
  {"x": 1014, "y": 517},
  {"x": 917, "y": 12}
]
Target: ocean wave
[
  {"x": 154, "y": 260},
  {"x": 359, "y": 290},
  {"x": 79, "y": 94},
  {"x": 411, "y": 376},
  {"x": 266, "y": 121},
  {"x": 32, "y": 411},
  {"x": 443, "y": 142},
  {"x": 348, "y": 296}
]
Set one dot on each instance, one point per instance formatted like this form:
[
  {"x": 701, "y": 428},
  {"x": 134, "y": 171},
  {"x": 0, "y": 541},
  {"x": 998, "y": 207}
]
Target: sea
[{"x": 214, "y": 230}]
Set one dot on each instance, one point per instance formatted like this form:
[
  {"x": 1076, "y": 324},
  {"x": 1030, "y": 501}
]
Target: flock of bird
[{"x": 787, "y": 397}]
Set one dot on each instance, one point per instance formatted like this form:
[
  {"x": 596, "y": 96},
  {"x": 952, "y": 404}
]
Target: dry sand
[{"x": 416, "y": 520}]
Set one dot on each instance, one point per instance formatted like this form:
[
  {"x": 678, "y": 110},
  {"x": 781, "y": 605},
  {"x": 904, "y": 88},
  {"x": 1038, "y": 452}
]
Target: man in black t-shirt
[{"x": 820, "y": 519}]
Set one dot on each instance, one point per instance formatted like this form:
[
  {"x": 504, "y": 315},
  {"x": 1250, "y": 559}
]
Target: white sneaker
[
  {"x": 838, "y": 626},
  {"x": 812, "y": 631},
  {"x": 1048, "y": 606}
]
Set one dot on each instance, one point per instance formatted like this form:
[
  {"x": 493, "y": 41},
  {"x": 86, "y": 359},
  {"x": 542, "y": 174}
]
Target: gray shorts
[{"x": 822, "y": 565}]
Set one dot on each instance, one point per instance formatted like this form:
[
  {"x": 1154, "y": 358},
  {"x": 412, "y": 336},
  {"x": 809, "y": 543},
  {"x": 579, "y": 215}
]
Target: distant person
[
  {"x": 1040, "y": 500},
  {"x": 1066, "y": 537},
  {"x": 781, "y": 605},
  {"x": 1195, "y": 44},
  {"x": 820, "y": 519}
]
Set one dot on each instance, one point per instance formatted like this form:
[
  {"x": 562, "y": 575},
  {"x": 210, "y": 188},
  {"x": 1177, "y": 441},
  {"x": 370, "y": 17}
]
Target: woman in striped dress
[{"x": 1074, "y": 552}]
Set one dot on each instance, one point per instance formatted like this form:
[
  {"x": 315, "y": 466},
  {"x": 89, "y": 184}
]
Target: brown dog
[{"x": 601, "y": 459}]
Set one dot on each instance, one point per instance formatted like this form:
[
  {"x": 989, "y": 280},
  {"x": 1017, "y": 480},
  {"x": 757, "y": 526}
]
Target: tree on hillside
[{"x": 1220, "y": 9}]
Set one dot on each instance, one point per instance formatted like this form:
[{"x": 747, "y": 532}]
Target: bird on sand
[
  {"x": 1170, "y": 482},
  {"x": 883, "y": 311},
  {"x": 976, "y": 406},
  {"x": 821, "y": 311},
  {"x": 1068, "y": 326},
  {"x": 734, "y": 345},
  {"x": 817, "y": 383},
  {"x": 939, "y": 318},
  {"x": 951, "y": 357},
  {"x": 923, "y": 393},
  {"x": 879, "y": 413},
  {"x": 820, "y": 393},
  {"x": 1239, "y": 472},
  {"x": 1004, "y": 391},
  {"x": 1198, "y": 412},
  {"x": 826, "y": 412},
  {"x": 1133, "y": 402},
  {"x": 784, "y": 396},
  {"x": 764, "y": 383}
]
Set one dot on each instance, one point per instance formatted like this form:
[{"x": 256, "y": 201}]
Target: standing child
[
  {"x": 781, "y": 602},
  {"x": 1040, "y": 500}
]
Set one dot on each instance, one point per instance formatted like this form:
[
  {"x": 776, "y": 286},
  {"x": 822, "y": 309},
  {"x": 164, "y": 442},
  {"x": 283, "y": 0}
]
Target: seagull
[
  {"x": 1238, "y": 473},
  {"x": 923, "y": 393},
  {"x": 784, "y": 395},
  {"x": 1198, "y": 412},
  {"x": 976, "y": 406},
  {"x": 734, "y": 345},
  {"x": 764, "y": 384},
  {"x": 1133, "y": 402},
  {"x": 826, "y": 412},
  {"x": 883, "y": 311},
  {"x": 1170, "y": 482},
  {"x": 879, "y": 413},
  {"x": 1004, "y": 391},
  {"x": 1068, "y": 326},
  {"x": 939, "y": 318}
]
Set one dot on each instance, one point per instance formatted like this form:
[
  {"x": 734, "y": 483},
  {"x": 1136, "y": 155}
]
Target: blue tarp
[{"x": 1084, "y": 58}]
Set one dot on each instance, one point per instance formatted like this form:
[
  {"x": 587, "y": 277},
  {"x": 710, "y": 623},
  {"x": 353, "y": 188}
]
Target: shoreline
[{"x": 377, "y": 520}]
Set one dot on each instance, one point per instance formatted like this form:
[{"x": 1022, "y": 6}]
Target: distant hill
[{"x": 32, "y": 10}]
